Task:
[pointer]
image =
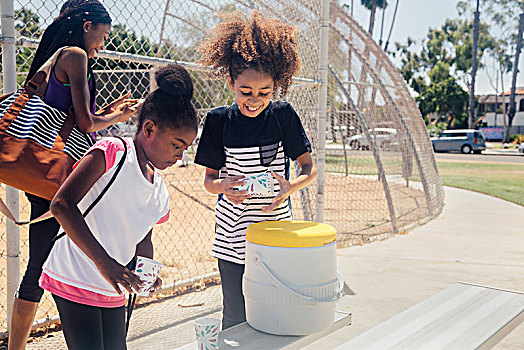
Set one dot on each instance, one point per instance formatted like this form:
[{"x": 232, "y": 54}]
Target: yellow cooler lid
[{"x": 291, "y": 234}]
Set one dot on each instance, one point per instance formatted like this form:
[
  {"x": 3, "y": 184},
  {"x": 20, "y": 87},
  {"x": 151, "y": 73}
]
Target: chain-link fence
[
  {"x": 390, "y": 180},
  {"x": 380, "y": 173}
]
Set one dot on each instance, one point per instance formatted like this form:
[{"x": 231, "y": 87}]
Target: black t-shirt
[{"x": 228, "y": 127}]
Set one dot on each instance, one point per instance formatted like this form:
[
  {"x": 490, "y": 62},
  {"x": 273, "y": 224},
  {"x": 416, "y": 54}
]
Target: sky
[{"x": 414, "y": 18}]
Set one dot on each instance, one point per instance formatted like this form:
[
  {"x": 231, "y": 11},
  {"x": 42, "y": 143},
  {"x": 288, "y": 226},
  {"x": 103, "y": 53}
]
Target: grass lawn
[
  {"x": 505, "y": 181},
  {"x": 360, "y": 165},
  {"x": 501, "y": 180}
]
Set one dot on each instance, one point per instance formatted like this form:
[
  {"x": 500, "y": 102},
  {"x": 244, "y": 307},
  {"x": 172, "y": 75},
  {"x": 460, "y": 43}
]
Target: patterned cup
[
  {"x": 206, "y": 330},
  {"x": 148, "y": 270},
  {"x": 260, "y": 185}
]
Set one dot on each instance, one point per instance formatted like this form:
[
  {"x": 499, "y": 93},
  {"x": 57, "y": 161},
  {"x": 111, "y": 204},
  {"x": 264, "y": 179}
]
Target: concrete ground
[
  {"x": 161, "y": 324},
  {"x": 477, "y": 238}
]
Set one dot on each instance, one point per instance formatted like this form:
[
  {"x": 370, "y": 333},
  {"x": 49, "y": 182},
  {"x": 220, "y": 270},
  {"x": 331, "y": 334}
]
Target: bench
[
  {"x": 243, "y": 336},
  {"x": 463, "y": 316}
]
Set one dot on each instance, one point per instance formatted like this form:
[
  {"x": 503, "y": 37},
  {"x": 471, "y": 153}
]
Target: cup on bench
[{"x": 206, "y": 330}]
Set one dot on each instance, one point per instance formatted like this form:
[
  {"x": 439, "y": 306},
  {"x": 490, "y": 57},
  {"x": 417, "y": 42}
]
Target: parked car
[
  {"x": 461, "y": 140},
  {"x": 337, "y": 132},
  {"x": 385, "y": 138},
  {"x": 521, "y": 148}
]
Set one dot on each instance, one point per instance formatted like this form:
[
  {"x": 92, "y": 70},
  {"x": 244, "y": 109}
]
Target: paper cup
[
  {"x": 147, "y": 270},
  {"x": 260, "y": 185},
  {"x": 206, "y": 330}
]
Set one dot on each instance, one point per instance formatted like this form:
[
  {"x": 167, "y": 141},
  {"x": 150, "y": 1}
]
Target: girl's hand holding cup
[
  {"x": 285, "y": 191},
  {"x": 155, "y": 286},
  {"x": 117, "y": 274},
  {"x": 147, "y": 270},
  {"x": 233, "y": 195}
]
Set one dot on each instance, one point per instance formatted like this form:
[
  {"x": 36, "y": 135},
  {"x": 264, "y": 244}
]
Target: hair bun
[{"x": 175, "y": 80}]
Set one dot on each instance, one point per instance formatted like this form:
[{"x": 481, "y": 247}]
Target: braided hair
[
  {"x": 67, "y": 29},
  {"x": 169, "y": 106}
]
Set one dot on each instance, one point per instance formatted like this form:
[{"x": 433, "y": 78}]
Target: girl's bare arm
[
  {"x": 64, "y": 208},
  {"x": 308, "y": 173},
  {"x": 72, "y": 68},
  {"x": 145, "y": 247}
]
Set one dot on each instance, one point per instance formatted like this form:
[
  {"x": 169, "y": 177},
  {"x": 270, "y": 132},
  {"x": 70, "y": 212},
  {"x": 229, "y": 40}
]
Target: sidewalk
[
  {"x": 503, "y": 152},
  {"x": 477, "y": 238}
]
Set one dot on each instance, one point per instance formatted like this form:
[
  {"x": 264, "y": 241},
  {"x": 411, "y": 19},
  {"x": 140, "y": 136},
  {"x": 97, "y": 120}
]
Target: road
[
  {"x": 484, "y": 158},
  {"x": 489, "y": 156}
]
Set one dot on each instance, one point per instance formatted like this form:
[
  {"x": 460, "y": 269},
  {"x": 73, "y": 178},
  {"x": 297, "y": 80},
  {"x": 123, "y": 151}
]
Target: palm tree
[{"x": 372, "y": 6}]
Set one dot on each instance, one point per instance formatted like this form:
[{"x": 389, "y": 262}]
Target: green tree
[
  {"x": 443, "y": 96},
  {"x": 437, "y": 67},
  {"x": 502, "y": 18},
  {"x": 126, "y": 40},
  {"x": 117, "y": 76},
  {"x": 27, "y": 24}
]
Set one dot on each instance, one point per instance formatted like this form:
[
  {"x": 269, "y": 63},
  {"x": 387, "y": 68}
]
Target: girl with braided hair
[
  {"x": 259, "y": 56},
  {"x": 82, "y": 26}
]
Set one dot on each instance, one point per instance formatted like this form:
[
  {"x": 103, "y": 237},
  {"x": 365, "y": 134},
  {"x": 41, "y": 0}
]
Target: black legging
[
  {"x": 234, "y": 311},
  {"x": 41, "y": 236},
  {"x": 90, "y": 327}
]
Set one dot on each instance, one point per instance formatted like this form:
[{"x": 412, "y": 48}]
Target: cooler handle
[{"x": 306, "y": 298}]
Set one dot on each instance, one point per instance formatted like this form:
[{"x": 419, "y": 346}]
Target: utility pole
[
  {"x": 382, "y": 25},
  {"x": 512, "y": 109},
  {"x": 391, "y": 28},
  {"x": 322, "y": 107},
  {"x": 496, "y": 97},
  {"x": 471, "y": 110},
  {"x": 12, "y": 251}
]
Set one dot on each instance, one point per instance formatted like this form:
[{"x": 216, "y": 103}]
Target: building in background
[{"x": 492, "y": 122}]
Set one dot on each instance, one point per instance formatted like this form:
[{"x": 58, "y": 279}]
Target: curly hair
[{"x": 239, "y": 43}]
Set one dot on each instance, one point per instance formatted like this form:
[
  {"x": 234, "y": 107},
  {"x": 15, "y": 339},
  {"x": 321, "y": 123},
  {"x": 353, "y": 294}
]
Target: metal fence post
[
  {"x": 322, "y": 107},
  {"x": 152, "y": 82},
  {"x": 9, "y": 81},
  {"x": 13, "y": 251}
]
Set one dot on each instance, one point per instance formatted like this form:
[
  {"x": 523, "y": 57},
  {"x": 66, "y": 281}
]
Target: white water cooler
[{"x": 291, "y": 281}]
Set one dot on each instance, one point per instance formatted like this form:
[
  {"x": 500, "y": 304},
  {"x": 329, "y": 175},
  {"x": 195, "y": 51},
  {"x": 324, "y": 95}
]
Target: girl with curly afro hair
[{"x": 255, "y": 135}]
